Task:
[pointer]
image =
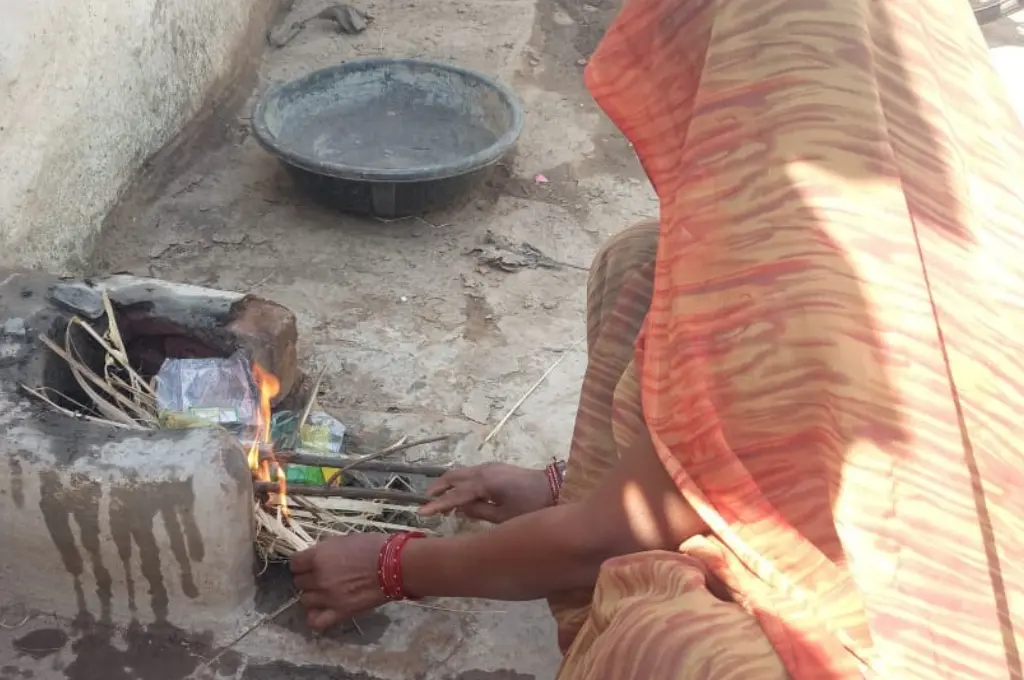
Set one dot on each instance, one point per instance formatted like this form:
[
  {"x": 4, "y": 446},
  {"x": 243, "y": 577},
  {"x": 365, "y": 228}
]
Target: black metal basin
[{"x": 388, "y": 137}]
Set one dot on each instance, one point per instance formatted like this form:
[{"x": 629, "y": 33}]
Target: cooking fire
[{"x": 306, "y": 485}]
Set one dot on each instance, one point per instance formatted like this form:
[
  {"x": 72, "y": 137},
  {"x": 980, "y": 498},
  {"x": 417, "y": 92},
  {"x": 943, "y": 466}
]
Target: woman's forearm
[
  {"x": 526, "y": 558},
  {"x": 636, "y": 507}
]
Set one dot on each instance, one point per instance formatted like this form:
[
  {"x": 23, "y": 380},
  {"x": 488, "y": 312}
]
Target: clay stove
[{"x": 118, "y": 526}]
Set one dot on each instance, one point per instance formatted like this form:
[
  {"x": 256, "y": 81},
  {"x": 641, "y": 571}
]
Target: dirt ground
[{"x": 418, "y": 336}]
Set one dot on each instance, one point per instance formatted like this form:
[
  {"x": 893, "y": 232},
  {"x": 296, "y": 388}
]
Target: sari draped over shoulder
[{"x": 827, "y": 356}]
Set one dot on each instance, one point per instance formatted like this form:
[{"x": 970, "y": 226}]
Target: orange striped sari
[{"x": 829, "y": 365}]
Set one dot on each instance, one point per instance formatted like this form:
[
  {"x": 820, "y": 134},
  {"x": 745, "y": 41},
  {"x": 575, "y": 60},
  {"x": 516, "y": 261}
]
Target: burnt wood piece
[{"x": 398, "y": 497}]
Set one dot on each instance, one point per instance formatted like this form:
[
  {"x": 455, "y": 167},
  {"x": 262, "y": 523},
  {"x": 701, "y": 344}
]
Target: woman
[{"x": 795, "y": 453}]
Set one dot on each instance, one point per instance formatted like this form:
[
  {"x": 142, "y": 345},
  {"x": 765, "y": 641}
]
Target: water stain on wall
[
  {"x": 133, "y": 510},
  {"x": 80, "y": 501},
  {"x": 17, "y": 477}
]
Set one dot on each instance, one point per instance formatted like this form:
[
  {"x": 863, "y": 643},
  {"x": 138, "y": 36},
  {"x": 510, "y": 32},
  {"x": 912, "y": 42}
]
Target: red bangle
[
  {"x": 389, "y": 566},
  {"x": 554, "y": 481}
]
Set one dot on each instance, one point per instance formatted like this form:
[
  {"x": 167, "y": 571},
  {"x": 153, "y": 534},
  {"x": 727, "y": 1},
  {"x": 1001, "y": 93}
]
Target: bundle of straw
[{"x": 311, "y": 519}]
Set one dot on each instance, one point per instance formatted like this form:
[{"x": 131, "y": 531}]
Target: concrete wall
[{"x": 89, "y": 89}]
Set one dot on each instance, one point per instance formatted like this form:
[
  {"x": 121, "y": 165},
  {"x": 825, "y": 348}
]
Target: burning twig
[
  {"x": 268, "y": 386},
  {"x": 400, "y": 445},
  {"x": 292, "y": 527},
  {"x": 349, "y": 492},
  {"x": 314, "y": 460},
  {"x": 275, "y": 538}
]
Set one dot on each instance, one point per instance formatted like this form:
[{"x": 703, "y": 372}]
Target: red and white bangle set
[
  {"x": 389, "y": 566},
  {"x": 556, "y": 478}
]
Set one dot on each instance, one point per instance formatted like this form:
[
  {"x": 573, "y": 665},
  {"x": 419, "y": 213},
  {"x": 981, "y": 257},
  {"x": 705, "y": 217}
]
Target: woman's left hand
[{"x": 338, "y": 578}]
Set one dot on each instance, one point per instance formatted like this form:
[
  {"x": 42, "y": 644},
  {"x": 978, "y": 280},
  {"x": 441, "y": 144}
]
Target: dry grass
[{"x": 119, "y": 395}]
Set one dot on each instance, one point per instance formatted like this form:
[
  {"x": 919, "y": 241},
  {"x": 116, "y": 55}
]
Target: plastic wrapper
[
  {"x": 196, "y": 392},
  {"x": 322, "y": 434}
]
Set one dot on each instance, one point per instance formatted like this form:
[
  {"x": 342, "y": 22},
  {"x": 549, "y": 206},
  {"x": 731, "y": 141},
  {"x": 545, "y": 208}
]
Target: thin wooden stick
[
  {"x": 345, "y": 492},
  {"x": 397, "y": 446},
  {"x": 311, "y": 460},
  {"x": 267, "y": 618},
  {"x": 309, "y": 407},
  {"x": 522, "y": 399},
  {"x": 400, "y": 445}
]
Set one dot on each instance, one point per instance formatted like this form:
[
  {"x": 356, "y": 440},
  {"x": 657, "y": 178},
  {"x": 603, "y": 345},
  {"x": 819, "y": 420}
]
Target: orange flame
[{"x": 269, "y": 387}]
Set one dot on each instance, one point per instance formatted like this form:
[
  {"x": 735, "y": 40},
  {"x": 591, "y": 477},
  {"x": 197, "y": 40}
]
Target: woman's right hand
[{"x": 493, "y": 492}]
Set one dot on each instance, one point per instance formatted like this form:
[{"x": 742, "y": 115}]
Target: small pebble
[
  {"x": 158, "y": 250},
  {"x": 562, "y": 18},
  {"x": 232, "y": 239},
  {"x": 15, "y": 327},
  {"x": 477, "y": 407}
]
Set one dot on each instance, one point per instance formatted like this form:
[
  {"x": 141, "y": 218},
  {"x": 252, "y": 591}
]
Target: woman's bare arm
[{"x": 636, "y": 508}]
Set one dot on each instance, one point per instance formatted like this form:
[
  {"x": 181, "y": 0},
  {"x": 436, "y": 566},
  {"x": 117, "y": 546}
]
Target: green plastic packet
[{"x": 322, "y": 434}]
